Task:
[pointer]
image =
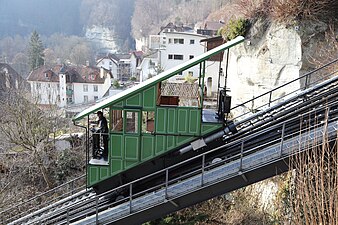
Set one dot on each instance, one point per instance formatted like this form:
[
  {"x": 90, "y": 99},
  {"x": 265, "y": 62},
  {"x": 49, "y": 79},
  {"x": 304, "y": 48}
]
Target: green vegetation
[
  {"x": 289, "y": 10},
  {"x": 116, "y": 84},
  {"x": 234, "y": 28},
  {"x": 35, "y": 52},
  {"x": 190, "y": 79}
]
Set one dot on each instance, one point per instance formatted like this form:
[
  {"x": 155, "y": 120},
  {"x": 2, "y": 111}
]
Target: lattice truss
[
  {"x": 188, "y": 93},
  {"x": 183, "y": 90}
]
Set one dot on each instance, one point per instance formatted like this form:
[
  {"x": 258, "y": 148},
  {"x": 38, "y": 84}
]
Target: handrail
[
  {"x": 287, "y": 83},
  {"x": 71, "y": 183},
  {"x": 324, "y": 83},
  {"x": 269, "y": 93}
]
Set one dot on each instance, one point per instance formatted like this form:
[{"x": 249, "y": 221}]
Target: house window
[
  {"x": 38, "y": 86},
  {"x": 170, "y": 41},
  {"x": 170, "y": 56},
  {"x": 85, "y": 98},
  {"x": 69, "y": 99},
  {"x": 178, "y": 57},
  {"x": 191, "y": 56},
  {"x": 67, "y": 78},
  {"x": 96, "y": 88},
  {"x": 96, "y": 98},
  {"x": 178, "y": 41},
  {"x": 85, "y": 88},
  {"x": 192, "y": 41},
  {"x": 151, "y": 64}
]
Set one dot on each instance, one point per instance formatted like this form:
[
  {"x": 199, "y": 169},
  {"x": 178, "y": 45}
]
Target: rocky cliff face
[
  {"x": 271, "y": 55},
  {"x": 104, "y": 38}
]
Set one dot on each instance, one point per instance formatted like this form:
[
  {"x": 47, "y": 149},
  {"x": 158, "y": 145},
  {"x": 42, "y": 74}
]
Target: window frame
[
  {"x": 85, "y": 88},
  {"x": 96, "y": 88}
]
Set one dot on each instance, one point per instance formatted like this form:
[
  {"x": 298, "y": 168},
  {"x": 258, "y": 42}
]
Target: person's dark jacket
[{"x": 103, "y": 125}]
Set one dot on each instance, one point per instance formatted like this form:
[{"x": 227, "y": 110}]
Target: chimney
[{"x": 101, "y": 72}]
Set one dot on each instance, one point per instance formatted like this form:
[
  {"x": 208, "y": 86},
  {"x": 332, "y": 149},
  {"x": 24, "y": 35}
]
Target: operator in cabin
[{"x": 101, "y": 133}]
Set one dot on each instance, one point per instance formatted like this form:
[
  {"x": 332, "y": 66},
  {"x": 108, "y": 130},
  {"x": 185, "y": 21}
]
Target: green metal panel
[
  {"x": 171, "y": 142},
  {"x": 182, "y": 119},
  {"x": 171, "y": 121},
  {"x": 183, "y": 139},
  {"x": 116, "y": 166},
  {"x": 131, "y": 147},
  {"x": 134, "y": 100},
  {"x": 130, "y": 163},
  {"x": 147, "y": 148},
  {"x": 119, "y": 104},
  {"x": 160, "y": 144},
  {"x": 149, "y": 98},
  {"x": 104, "y": 172},
  {"x": 208, "y": 127},
  {"x": 161, "y": 118},
  {"x": 93, "y": 173},
  {"x": 194, "y": 121},
  {"x": 116, "y": 146}
]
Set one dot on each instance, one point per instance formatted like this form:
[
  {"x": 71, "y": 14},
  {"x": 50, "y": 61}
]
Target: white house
[
  {"x": 215, "y": 67},
  {"x": 176, "y": 45},
  {"x": 122, "y": 66},
  {"x": 135, "y": 61},
  {"x": 149, "y": 67},
  {"x": 179, "y": 48},
  {"x": 10, "y": 79},
  {"x": 67, "y": 85}
]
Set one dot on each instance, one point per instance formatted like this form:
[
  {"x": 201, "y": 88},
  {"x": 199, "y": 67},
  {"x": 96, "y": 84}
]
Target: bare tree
[
  {"x": 80, "y": 54},
  {"x": 326, "y": 50},
  {"x": 20, "y": 64},
  {"x": 310, "y": 194},
  {"x": 149, "y": 16},
  {"x": 27, "y": 126}
]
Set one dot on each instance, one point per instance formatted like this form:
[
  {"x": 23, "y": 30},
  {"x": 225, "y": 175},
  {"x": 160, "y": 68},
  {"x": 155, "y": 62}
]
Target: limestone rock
[{"x": 270, "y": 56}]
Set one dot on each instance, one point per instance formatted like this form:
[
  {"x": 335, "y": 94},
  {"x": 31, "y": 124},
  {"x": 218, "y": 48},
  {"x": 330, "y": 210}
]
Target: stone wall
[{"x": 270, "y": 56}]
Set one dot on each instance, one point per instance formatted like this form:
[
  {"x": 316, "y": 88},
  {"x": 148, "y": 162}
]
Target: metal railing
[
  {"x": 206, "y": 166},
  {"x": 49, "y": 197},
  {"x": 287, "y": 90}
]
